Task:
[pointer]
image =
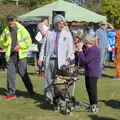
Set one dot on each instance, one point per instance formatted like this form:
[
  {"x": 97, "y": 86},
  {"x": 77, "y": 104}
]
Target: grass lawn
[{"x": 25, "y": 108}]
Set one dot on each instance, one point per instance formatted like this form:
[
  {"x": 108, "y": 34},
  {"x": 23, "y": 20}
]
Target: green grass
[{"x": 25, "y": 108}]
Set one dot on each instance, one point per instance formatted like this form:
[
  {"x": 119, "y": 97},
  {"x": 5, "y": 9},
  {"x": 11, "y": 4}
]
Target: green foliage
[
  {"x": 6, "y": 9},
  {"x": 44, "y": 2},
  {"x": 30, "y": 3},
  {"x": 93, "y": 6},
  {"x": 4, "y": 1},
  {"x": 112, "y": 9},
  {"x": 35, "y": 3},
  {"x": 2, "y": 23}
]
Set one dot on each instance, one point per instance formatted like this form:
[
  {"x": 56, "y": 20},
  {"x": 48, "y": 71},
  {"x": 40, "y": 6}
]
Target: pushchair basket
[{"x": 62, "y": 82}]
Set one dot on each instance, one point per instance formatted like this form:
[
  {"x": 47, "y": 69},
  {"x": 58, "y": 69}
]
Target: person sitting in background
[{"x": 90, "y": 57}]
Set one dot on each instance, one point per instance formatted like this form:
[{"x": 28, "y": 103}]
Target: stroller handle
[{"x": 66, "y": 67}]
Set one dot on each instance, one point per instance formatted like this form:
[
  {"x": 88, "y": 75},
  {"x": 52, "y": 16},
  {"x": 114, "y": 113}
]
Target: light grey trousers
[
  {"x": 50, "y": 74},
  {"x": 21, "y": 66}
]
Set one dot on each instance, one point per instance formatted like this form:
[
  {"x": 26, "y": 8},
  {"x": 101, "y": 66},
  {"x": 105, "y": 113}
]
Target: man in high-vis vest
[{"x": 16, "y": 40}]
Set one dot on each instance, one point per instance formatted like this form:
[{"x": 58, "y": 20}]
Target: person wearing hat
[
  {"x": 102, "y": 34},
  {"x": 56, "y": 51},
  {"x": 90, "y": 58},
  {"x": 16, "y": 40}
]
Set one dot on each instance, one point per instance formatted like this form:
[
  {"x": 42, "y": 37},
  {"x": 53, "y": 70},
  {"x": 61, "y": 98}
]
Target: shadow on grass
[
  {"x": 33, "y": 73},
  {"x": 112, "y": 103},
  {"x": 95, "y": 117},
  {"x": 45, "y": 106},
  {"x": 110, "y": 67},
  {"x": 39, "y": 99},
  {"x": 2, "y": 91},
  {"x": 108, "y": 76},
  {"x": 25, "y": 94},
  {"x": 104, "y": 75}
]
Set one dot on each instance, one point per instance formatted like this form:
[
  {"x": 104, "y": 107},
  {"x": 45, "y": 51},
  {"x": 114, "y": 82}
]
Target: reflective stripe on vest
[
  {"x": 23, "y": 39},
  {"x": 8, "y": 52}
]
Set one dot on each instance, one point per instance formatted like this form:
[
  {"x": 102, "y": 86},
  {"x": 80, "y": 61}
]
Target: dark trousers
[
  {"x": 41, "y": 71},
  {"x": 91, "y": 87},
  {"x": 21, "y": 66},
  {"x": 2, "y": 61}
]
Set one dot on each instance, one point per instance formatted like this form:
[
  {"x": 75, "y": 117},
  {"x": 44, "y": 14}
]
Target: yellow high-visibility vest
[{"x": 23, "y": 38}]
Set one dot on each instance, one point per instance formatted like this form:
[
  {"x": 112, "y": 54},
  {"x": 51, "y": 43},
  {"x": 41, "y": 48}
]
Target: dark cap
[
  {"x": 10, "y": 17},
  {"x": 44, "y": 18}
]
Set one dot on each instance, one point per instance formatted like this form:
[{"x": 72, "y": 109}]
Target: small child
[{"x": 90, "y": 57}]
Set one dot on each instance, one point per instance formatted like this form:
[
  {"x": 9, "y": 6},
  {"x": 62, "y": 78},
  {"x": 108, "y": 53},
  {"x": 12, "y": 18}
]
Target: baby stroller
[{"x": 64, "y": 101}]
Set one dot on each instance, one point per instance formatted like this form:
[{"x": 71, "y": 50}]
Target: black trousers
[
  {"x": 41, "y": 71},
  {"x": 91, "y": 87}
]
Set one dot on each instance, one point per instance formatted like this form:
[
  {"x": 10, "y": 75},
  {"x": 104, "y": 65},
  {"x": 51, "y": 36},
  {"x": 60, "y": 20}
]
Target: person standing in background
[
  {"x": 44, "y": 23},
  {"x": 111, "y": 42},
  {"x": 117, "y": 55},
  {"x": 102, "y": 33}
]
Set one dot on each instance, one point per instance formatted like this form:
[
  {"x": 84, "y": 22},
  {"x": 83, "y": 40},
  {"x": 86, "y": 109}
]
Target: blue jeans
[{"x": 103, "y": 58}]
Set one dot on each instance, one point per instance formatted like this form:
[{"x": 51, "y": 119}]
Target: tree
[
  {"x": 6, "y": 9},
  {"x": 29, "y": 3},
  {"x": 35, "y": 3},
  {"x": 112, "y": 9},
  {"x": 46, "y": 1},
  {"x": 93, "y": 5}
]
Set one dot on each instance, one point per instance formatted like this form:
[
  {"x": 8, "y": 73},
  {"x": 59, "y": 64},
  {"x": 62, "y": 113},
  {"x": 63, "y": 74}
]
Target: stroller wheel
[
  {"x": 95, "y": 108},
  {"x": 63, "y": 109},
  {"x": 56, "y": 108},
  {"x": 70, "y": 111}
]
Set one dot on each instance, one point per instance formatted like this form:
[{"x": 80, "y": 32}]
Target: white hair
[{"x": 90, "y": 38}]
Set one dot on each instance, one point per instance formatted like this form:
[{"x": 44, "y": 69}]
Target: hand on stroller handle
[{"x": 67, "y": 66}]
